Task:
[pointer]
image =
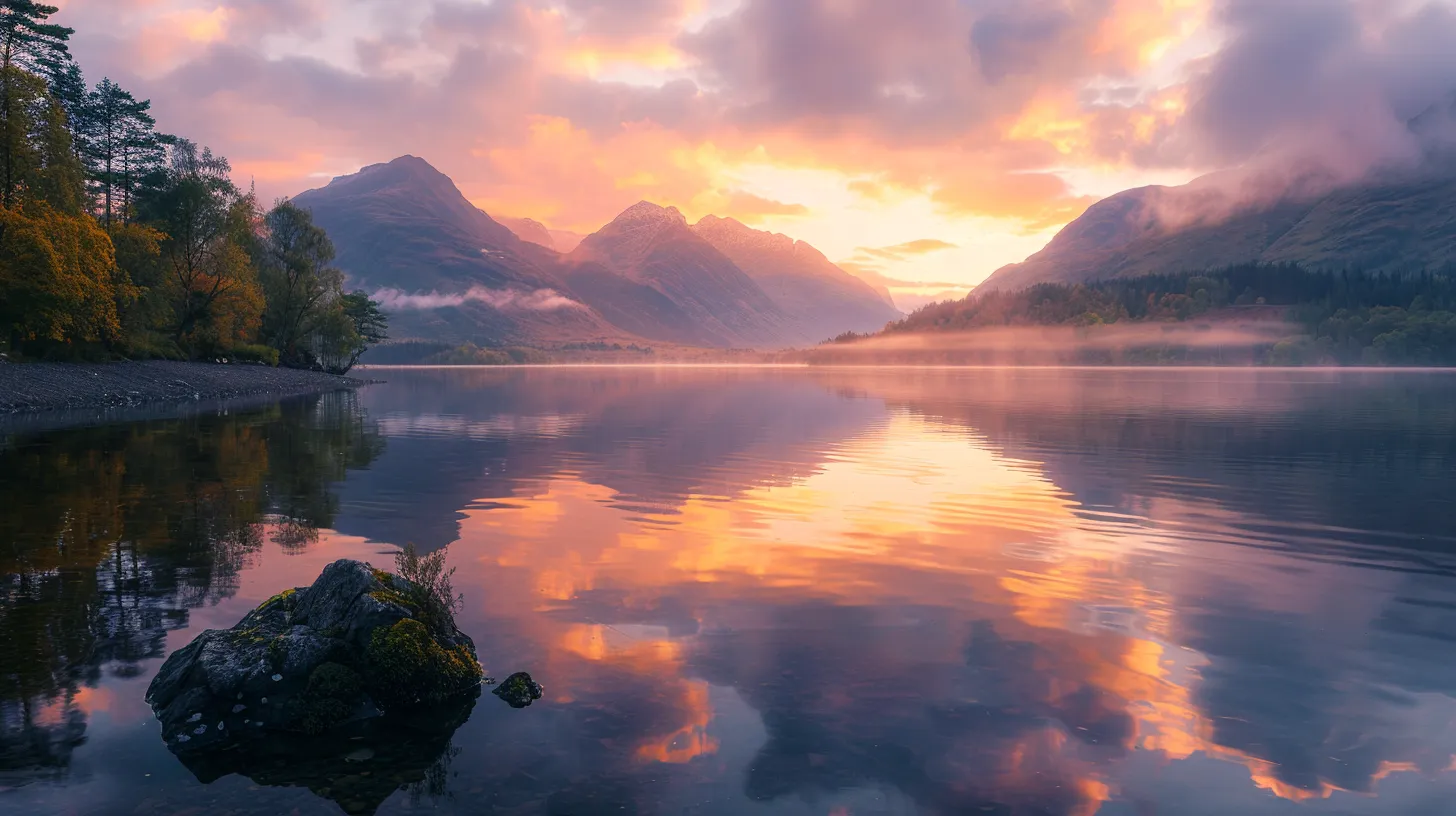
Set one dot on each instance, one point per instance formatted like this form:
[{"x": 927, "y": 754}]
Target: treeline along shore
[
  {"x": 121, "y": 242},
  {"x": 62, "y": 386}
]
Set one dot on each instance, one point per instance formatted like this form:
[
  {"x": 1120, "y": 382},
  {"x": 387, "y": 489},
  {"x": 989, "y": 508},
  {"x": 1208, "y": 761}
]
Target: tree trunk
[{"x": 6, "y": 193}]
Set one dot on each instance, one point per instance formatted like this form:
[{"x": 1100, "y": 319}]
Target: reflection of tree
[{"x": 109, "y": 535}]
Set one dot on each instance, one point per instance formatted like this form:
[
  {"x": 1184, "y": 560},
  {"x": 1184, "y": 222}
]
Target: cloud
[
  {"x": 540, "y": 300},
  {"x": 750, "y": 208},
  {"x": 1332, "y": 81},
  {"x": 570, "y": 110},
  {"x": 899, "y": 252}
]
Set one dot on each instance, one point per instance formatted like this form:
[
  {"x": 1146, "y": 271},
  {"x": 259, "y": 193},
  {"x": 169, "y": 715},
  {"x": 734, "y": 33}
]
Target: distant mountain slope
[
  {"x": 533, "y": 231},
  {"x": 820, "y": 299},
  {"x": 712, "y": 300},
  {"x": 1403, "y": 223},
  {"x": 1393, "y": 220},
  {"x": 446, "y": 271},
  {"x": 528, "y": 229},
  {"x": 565, "y": 240},
  {"x": 879, "y": 283},
  {"x": 459, "y": 275}
]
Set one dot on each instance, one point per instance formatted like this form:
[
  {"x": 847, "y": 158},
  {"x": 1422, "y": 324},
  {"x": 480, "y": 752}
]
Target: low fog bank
[{"x": 1221, "y": 343}]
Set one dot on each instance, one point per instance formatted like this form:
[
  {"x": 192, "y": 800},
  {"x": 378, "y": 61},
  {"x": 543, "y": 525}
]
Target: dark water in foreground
[{"x": 784, "y": 591}]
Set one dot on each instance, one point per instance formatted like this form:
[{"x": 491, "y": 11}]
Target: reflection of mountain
[
  {"x": 110, "y": 535},
  {"x": 1041, "y": 592},
  {"x": 470, "y": 438},
  {"x": 1050, "y": 566},
  {"x": 1329, "y": 469},
  {"x": 1318, "y": 448}
]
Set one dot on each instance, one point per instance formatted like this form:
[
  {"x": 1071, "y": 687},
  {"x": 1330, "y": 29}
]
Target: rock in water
[
  {"x": 518, "y": 690},
  {"x": 353, "y": 646}
]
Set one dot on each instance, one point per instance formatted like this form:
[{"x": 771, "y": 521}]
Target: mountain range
[
  {"x": 447, "y": 271},
  {"x": 1396, "y": 218}
]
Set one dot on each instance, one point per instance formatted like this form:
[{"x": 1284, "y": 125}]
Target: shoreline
[{"x": 38, "y": 388}]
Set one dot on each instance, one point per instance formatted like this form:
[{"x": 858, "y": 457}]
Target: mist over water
[
  {"x": 1224, "y": 342},
  {"x": 788, "y": 591},
  {"x": 539, "y": 300}
]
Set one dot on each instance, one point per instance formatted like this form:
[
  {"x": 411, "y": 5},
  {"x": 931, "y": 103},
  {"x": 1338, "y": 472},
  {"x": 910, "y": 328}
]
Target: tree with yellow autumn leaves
[{"x": 117, "y": 241}]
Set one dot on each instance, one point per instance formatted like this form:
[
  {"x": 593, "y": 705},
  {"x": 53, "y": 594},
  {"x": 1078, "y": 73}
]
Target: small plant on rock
[{"x": 430, "y": 592}]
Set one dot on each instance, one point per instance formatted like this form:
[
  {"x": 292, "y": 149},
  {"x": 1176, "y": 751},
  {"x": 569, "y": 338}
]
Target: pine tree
[
  {"x": 123, "y": 152},
  {"x": 143, "y": 152},
  {"x": 69, "y": 88},
  {"x": 27, "y": 43},
  {"x": 120, "y": 138}
]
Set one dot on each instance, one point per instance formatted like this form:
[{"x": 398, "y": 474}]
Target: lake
[{"x": 843, "y": 592}]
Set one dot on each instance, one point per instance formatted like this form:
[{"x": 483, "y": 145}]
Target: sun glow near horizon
[{"x": 568, "y": 112}]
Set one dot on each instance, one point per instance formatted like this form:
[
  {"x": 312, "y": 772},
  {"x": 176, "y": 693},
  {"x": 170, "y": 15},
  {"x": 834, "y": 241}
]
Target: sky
[{"x": 931, "y": 141}]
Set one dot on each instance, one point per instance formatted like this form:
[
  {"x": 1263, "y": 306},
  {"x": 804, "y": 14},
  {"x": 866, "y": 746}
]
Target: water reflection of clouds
[
  {"x": 848, "y": 607},
  {"x": 1065, "y": 594}
]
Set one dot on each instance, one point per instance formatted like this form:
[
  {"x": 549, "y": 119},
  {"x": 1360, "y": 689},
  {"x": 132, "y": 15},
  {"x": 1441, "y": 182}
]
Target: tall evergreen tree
[
  {"x": 28, "y": 43},
  {"x": 143, "y": 155},
  {"x": 120, "y": 137},
  {"x": 68, "y": 87}
]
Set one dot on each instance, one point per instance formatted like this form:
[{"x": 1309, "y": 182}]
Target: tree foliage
[
  {"x": 118, "y": 240},
  {"x": 28, "y": 45},
  {"x": 301, "y": 288},
  {"x": 1348, "y": 317}
]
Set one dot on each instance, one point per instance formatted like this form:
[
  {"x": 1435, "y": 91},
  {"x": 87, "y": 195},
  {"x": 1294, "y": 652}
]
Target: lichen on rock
[{"x": 313, "y": 659}]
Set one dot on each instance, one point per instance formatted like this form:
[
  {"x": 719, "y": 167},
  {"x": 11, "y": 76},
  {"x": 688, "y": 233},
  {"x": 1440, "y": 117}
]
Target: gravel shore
[{"x": 27, "y": 387}]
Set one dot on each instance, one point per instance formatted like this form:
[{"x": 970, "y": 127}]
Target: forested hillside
[
  {"x": 119, "y": 240},
  {"x": 1343, "y": 318}
]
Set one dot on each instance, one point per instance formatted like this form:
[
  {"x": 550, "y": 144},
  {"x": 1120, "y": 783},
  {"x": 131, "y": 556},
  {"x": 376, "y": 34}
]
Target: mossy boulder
[
  {"x": 518, "y": 690},
  {"x": 348, "y": 648}
]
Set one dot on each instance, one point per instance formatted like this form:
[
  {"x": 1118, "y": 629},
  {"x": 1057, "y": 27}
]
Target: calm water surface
[{"x": 757, "y": 591}]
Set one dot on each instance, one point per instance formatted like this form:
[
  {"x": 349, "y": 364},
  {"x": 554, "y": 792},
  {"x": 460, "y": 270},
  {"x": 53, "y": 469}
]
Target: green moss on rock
[
  {"x": 334, "y": 691},
  {"x": 397, "y": 598},
  {"x": 406, "y": 667},
  {"x": 277, "y": 599}
]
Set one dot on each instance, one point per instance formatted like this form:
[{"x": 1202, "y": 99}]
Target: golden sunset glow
[
  {"x": 876, "y": 524},
  {"x": 569, "y": 112}
]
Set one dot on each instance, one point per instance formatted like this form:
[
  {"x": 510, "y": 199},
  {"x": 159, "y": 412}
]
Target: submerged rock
[
  {"x": 518, "y": 690},
  {"x": 350, "y": 648}
]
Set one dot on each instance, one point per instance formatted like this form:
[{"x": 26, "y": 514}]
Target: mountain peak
[
  {"x": 647, "y": 213},
  {"x": 721, "y": 222},
  {"x": 731, "y": 232},
  {"x": 406, "y": 169},
  {"x": 632, "y": 234}
]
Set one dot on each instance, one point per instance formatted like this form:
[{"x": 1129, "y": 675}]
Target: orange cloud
[
  {"x": 750, "y": 208},
  {"x": 571, "y": 110},
  {"x": 898, "y": 252}
]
